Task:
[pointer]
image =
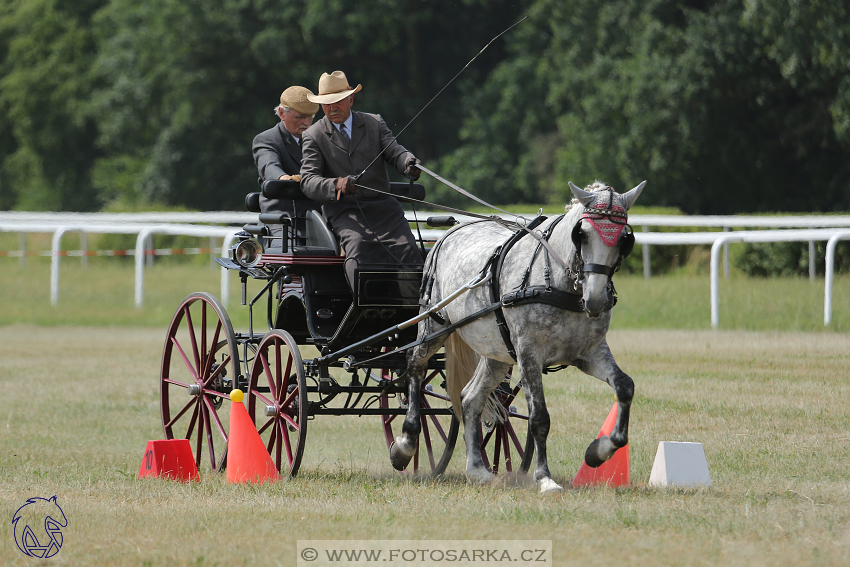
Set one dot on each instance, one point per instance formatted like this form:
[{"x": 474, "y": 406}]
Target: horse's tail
[{"x": 460, "y": 365}]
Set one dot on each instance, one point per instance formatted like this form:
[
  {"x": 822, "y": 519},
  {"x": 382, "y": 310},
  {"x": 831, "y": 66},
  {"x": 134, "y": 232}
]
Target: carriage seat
[{"x": 308, "y": 233}]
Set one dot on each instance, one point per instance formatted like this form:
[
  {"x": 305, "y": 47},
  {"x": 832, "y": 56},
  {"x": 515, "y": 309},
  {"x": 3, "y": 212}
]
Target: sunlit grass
[{"x": 81, "y": 403}]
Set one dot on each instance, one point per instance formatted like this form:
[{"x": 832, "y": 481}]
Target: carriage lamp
[{"x": 247, "y": 253}]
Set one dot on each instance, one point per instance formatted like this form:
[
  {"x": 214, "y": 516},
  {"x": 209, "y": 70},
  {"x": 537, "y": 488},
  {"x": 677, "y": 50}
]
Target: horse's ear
[
  {"x": 583, "y": 196},
  {"x": 628, "y": 199}
]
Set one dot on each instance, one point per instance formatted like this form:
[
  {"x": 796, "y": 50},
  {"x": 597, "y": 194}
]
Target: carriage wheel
[
  {"x": 501, "y": 443},
  {"x": 439, "y": 432},
  {"x": 277, "y": 391},
  {"x": 199, "y": 362}
]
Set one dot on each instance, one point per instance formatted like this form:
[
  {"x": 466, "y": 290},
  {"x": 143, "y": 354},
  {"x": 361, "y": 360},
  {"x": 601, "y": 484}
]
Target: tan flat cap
[{"x": 298, "y": 99}]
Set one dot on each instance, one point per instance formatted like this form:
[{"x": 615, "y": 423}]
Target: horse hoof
[
  {"x": 549, "y": 485},
  {"x": 591, "y": 455},
  {"x": 479, "y": 476},
  {"x": 398, "y": 459}
]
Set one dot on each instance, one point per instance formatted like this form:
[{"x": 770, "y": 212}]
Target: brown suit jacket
[
  {"x": 371, "y": 227},
  {"x": 326, "y": 157}
]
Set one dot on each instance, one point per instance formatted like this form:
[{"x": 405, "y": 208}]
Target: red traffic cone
[
  {"x": 169, "y": 458},
  {"x": 247, "y": 457},
  {"x": 614, "y": 471}
]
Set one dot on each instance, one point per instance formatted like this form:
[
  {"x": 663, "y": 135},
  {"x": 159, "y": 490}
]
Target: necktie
[{"x": 342, "y": 131}]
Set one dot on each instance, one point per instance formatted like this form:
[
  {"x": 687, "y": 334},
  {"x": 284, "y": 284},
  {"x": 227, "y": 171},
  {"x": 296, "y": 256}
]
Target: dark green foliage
[
  {"x": 724, "y": 106},
  {"x": 788, "y": 258}
]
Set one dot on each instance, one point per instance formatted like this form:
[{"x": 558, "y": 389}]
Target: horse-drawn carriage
[{"x": 308, "y": 303}]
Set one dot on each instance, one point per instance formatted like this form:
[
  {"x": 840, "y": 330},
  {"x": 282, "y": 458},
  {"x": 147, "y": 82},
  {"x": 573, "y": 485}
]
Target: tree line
[{"x": 725, "y": 106}]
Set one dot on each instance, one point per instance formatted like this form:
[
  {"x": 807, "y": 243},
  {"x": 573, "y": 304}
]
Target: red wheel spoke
[
  {"x": 192, "y": 421},
  {"x": 268, "y": 372},
  {"x": 192, "y": 370},
  {"x": 208, "y": 430},
  {"x": 278, "y": 449},
  {"x": 507, "y": 450},
  {"x": 265, "y": 426},
  {"x": 519, "y": 448},
  {"x": 435, "y": 420},
  {"x": 192, "y": 336},
  {"x": 290, "y": 421},
  {"x": 221, "y": 368},
  {"x": 272, "y": 436},
  {"x": 210, "y": 354},
  {"x": 217, "y": 419},
  {"x": 175, "y": 382},
  {"x": 426, "y": 433},
  {"x": 289, "y": 399},
  {"x": 180, "y": 413},
  {"x": 260, "y": 396},
  {"x": 279, "y": 377},
  {"x": 200, "y": 444},
  {"x": 285, "y": 434}
]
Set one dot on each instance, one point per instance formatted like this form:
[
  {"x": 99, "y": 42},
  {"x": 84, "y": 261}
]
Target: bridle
[{"x": 625, "y": 239}]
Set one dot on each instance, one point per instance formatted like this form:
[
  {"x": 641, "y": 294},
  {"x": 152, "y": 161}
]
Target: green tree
[
  {"x": 47, "y": 140},
  {"x": 706, "y": 99}
]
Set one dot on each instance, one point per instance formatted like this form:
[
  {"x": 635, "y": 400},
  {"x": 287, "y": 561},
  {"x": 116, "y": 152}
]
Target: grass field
[
  {"x": 764, "y": 395},
  {"x": 81, "y": 403}
]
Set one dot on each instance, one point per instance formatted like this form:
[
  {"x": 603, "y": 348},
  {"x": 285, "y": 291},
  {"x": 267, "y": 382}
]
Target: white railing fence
[{"x": 142, "y": 224}]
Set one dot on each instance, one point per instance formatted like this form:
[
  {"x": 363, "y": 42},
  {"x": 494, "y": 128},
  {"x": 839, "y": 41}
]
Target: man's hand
[
  {"x": 344, "y": 186},
  {"x": 410, "y": 169}
]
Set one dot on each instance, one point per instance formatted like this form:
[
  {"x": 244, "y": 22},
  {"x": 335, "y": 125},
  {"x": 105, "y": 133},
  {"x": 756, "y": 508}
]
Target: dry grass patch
[{"x": 80, "y": 404}]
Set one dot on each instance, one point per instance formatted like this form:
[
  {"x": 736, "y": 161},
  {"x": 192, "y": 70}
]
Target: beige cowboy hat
[
  {"x": 333, "y": 88},
  {"x": 297, "y": 98}
]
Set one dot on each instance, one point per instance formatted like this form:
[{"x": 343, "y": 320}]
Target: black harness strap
[
  {"x": 495, "y": 292},
  {"x": 445, "y": 331},
  {"x": 539, "y": 294}
]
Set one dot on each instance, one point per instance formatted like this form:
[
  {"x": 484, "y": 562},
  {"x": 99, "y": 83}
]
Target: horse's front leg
[
  {"x": 538, "y": 422},
  {"x": 404, "y": 446},
  {"x": 601, "y": 364}
]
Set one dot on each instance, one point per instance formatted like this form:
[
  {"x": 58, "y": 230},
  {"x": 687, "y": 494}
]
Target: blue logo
[{"x": 38, "y": 527}]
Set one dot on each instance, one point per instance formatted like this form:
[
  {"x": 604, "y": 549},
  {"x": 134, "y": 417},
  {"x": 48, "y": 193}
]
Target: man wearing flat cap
[
  {"x": 277, "y": 151},
  {"x": 371, "y": 227}
]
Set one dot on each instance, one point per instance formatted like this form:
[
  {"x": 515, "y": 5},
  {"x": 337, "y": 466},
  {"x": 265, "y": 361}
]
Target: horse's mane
[{"x": 594, "y": 187}]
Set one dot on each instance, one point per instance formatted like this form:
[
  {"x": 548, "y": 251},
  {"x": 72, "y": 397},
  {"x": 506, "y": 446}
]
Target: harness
[
  {"x": 568, "y": 300},
  {"x": 600, "y": 217}
]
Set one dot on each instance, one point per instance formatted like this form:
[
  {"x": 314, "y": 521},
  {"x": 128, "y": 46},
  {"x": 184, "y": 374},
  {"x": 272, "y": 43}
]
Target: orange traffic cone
[
  {"x": 614, "y": 471},
  {"x": 247, "y": 457}
]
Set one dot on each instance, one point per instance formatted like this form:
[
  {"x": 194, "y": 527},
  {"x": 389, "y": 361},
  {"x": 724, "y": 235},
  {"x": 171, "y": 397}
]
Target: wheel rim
[
  {"x": 199, "y": 361},
  {"x": 278, "y": 369},
  {"x": 508, "y": 445},
  {"x": 439, "y": 432}
]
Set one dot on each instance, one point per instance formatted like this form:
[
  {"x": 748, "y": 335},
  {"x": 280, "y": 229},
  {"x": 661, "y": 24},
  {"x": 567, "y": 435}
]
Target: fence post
[
  {"x": 812, "y": 260},
  {"x": 647, "y": 265},
  {"x": 55, "y": 252},
  {"x": 829, "y": 271},
  {"x": 726, "y": 255},
  {"x": 22, "y": 245},
  {"x": 84, "y": 248}
]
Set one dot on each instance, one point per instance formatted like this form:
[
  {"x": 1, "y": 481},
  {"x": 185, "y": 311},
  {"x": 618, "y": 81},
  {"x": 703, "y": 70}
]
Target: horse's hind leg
[
  {"x": 404, "y": 447},
  {"x": 601, "y": 364},
  {"x": 488, "y": 375}
]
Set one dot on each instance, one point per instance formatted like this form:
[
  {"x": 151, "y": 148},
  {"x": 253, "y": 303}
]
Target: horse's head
[{"x": 602, "y": 238}]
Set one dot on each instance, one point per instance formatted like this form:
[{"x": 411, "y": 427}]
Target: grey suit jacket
[
  {"x": 326, "y": 157},
  {"x": 275, "y": 154}
]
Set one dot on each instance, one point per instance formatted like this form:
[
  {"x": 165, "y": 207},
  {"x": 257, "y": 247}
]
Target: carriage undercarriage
[{"x": 357, "y": 371}]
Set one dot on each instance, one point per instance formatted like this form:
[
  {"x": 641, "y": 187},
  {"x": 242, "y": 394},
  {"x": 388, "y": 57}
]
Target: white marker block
[{"x": 679, "y": 464}]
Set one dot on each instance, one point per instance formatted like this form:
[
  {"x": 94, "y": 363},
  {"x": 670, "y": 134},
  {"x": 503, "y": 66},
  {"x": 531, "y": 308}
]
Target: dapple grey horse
[{"x": 590, "y": 239}]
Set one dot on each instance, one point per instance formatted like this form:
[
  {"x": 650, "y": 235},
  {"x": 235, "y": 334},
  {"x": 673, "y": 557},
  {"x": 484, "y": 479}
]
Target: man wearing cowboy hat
[{"x": 371, "y": 227}]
